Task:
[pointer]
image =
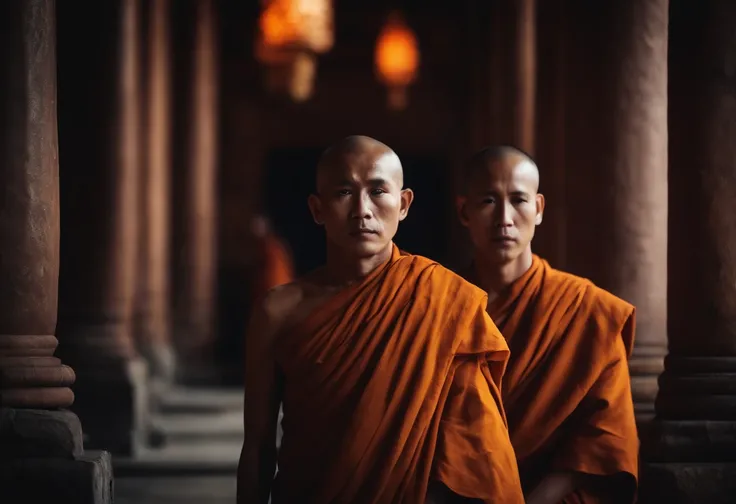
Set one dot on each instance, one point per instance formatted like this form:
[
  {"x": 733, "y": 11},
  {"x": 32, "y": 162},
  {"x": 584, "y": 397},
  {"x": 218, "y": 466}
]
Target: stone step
[
  {"x": 200, "y": 400},
  {"x": 212, "y": 489},
  {"x": 200, "y": 457},
  {"x": 186, "y": 426}
]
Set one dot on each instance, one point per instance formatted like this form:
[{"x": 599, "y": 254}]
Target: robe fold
[
  {"x": 390, "y": 384},
  {"x": 567, "y": 390}
]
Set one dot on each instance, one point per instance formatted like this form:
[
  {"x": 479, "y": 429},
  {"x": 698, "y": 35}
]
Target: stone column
[
  {"x": 550, "y": 150},
  {"x": 99, "y": 103},
  {"x": 507, "y": 99},
  {"x": 634, "y": 183},
  {"x": 526, "y": 75},
  {"x": 197, "y": 261},
  {"x": 694, "y": 446},
  {"x": 41, "y": 459},
  {"x": 152, "y": 313},
  {"x": 616, "y": 167},
  {"x": 499, "y": 91}
]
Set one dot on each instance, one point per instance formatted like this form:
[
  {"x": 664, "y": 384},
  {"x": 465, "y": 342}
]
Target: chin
[
  {"x": 502, "y": 256},
  {"x": 366, "y": 249}
]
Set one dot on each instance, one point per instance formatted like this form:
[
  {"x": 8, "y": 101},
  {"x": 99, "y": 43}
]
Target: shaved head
[
  {"x": 500, "y": 204},
  {"x": 496, "y": 156},
  {"x": 360, "y": 197},
  {"x": 358, "y": 149}
]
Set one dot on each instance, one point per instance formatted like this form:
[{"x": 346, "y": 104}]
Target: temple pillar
[
  {"x": 507, "y": 100},
  {"x": 242, "y": 183},
  {"x": 550, "y": 150},
  {"x": 616, "y": 168},
  {"x": 42, "y": 457},
  {"x": 500, "y": 91},
  {"x": 152, "y": 312},
  {"x": 526, "y": 75},
  {"x": 633, "y": 168},
  {"x": 692, "y": 452},
  {"x": 196, "y": 266},
  {"x": 99, "y": 102}
]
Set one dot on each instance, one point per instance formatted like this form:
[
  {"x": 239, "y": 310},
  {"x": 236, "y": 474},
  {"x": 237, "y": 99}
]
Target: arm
[
  {"x": 262, "y": 399},
  {"x": 601, "y": 452},
  {"x": 475, "y": 458},
  {"x": 555, "y": 487},
  {"x": 437, "y": 493}
]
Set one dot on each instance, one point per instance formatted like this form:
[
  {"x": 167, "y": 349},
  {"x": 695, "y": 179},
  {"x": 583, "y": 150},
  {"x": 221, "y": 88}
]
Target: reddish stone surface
[
  {"x": 152, "y": 315},
  {"x": 100, "y": 156},
  {"x": 197, "y": 215},
  {"x": 30, "y": 375},
  {"x": 634, "y": 184},
  {"x": 693, "y": 441}
]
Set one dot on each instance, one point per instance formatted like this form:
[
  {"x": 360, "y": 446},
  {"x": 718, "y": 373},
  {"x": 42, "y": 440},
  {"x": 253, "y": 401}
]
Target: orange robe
[
  {"x": 392, "y": 383},
  {"x": 274, "y": 266},
  {"x": 567, "y": 388}
]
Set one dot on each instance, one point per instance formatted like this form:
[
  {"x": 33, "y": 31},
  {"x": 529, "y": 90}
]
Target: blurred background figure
[{"x": 273, "y": 264}]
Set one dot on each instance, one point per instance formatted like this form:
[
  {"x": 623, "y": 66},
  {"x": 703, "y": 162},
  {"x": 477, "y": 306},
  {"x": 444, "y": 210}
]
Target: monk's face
[
  {"x": 360, "y": 201},
  {"x": 502, "y": 207}
]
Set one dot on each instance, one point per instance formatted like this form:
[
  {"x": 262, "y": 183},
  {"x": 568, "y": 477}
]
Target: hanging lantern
[
  {"x": 397, "y": 59},
  {"x": 290, "y": 36}
]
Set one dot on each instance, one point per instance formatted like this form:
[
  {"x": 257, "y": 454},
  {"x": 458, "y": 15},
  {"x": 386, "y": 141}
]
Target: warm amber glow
[
  {"x": 397, "y": 54},
  {"x": 300, "y": 24},
  {"x": 291, "y": 33}
]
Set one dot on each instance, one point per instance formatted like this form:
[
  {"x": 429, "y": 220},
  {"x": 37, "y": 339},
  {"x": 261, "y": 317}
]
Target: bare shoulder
[
  {"x": 281, "y": 300},
  {"x": 285, "y": 303},
  {"x": 273, "y": 311}
]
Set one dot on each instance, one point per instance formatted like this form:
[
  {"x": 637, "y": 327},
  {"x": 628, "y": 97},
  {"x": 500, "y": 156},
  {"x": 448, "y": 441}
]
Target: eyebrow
[
  {"x": 512, "y": 193},
  {"x": 371, "y": 182},
  {"x": 377, "y": 181}
]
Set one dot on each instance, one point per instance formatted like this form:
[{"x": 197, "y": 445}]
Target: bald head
[
  {"x": 358, "y": 151},
  {"x": 500, "y": 205},
  {"x": 498, "y": 158},
  {"x": 360, "y": 197}
]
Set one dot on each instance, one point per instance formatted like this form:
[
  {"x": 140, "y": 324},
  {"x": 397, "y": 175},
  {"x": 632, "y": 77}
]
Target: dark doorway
[
  {"x": 290, "y": 179},
  {"x": 426, "y": 229}
]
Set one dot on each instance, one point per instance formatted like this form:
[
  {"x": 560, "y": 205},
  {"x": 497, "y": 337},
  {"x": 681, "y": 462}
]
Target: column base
[
  {"x": 33, "y": 433},
  {"x": 114, "y": 405},
  {"x": 689, "y": 462},
  {"x": 645, "y": 366},
  {"x": 688, "y": 483},
  {"x": 42, "y": 460},
  {"x": 686, "y": 441},
  {"x": 161, "y": 361},
  {"x": 82, "y": 479}
]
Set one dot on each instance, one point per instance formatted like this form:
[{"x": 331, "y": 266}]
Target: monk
[
  {"x": 566, "y": 390},
  {"x": 273, "y": 263},
  {"x": 388, "y": 366}
]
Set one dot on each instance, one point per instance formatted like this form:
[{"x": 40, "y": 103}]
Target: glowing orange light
[
  {"x": 303, "y": 23},
  {"x": 291, "y": 34},
  {"x": 397, "y": 59}
]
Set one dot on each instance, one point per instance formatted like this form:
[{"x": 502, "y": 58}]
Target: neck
[
  {"x": 494, "y": 277},
  {"x": 345, "y": 269}
]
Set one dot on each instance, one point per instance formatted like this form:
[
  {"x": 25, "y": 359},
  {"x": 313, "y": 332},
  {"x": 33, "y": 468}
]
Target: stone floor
[
  {"x": 203, "y": 429},
  {"x": 209, "y": 489}
]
